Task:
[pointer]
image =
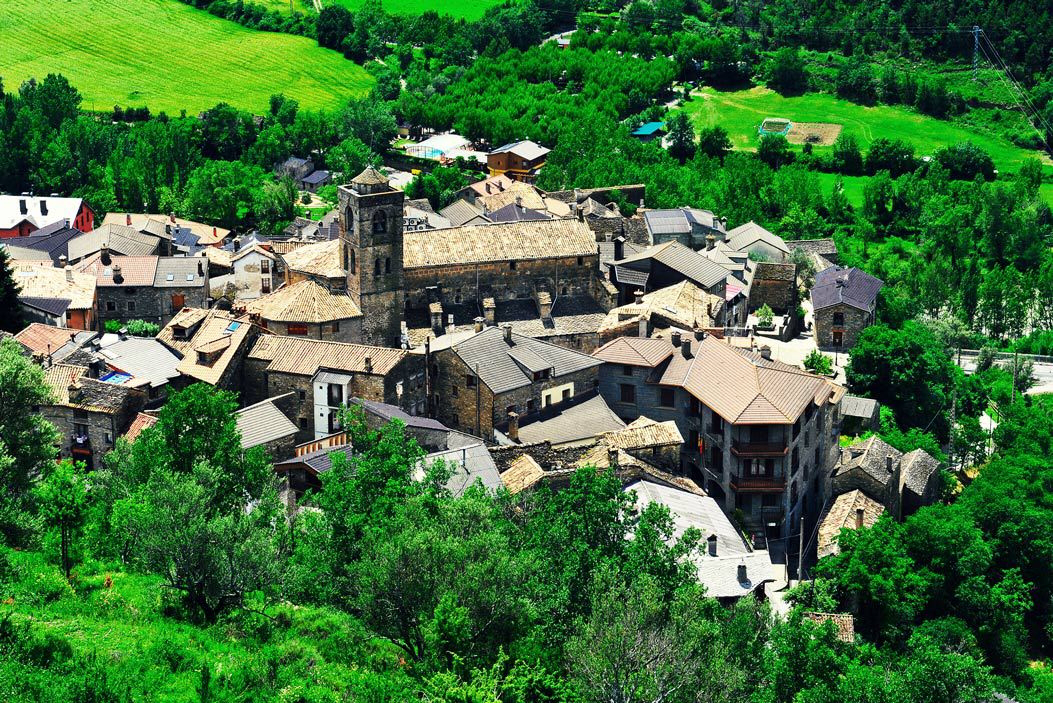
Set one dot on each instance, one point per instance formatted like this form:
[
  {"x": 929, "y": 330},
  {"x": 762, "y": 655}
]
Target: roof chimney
[
  {"x": 23, "y": 208},
  {"x": 642, "y": 330},
  {"x": 200, "y": 268},
  {"x": 480, "y": 322},
  {"x": 685, "y": 348},
  {"x": 581, "y": 213},
  {"x": 490, "y": 311},
  {"x": 519, "y": 201},
  {"x": 743, "y": 578},
  {"x": 104, "y": 254},
  {"x": 619, "y": 248},
  {"x": 712, "y": 540},
  {"x": 638, "y": 296},
  {"x": 700, "y": 334},
  {"x": 171, "y": 216},
  {"x": 859, "y": 518},
  {"x": 69, "y": 273},
  {"x": 488, "y": 188},
  {"x": 513, "y": 427},
  {"x": 888, "y": 463},
  {"x": 765, "y": 352},
  {"x": 128, "y": 219},
  {"x": 62, "y": 261},
  {"x": 214, "y": 234},
  {"x": 369, "y": 364},
  {"x": 117, "y": 277},
  {"x": 674, "y": 337},
  {"x": 43, "y": 207},
  {"x": 711, "y": 241},
  {"x": 508, "y": 332}
]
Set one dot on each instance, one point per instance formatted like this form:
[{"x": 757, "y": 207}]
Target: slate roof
[
  {"x": 318, "y": 461},
  {"x": 510, "y": 241},
  {"x": 571, "y": 422},
  {"x": 470, "y": 464},
  {"x": 740, "y": 386},
  {"x": 307, "y": 301},
  {"x": 50, "y": 306},
  {"x": 51, "y": 241},
  {"x": 144, "y": 358},
  {"x": 461, "y": 212},
  {"x": 370, "y": 176},
  {"x": 720, "y": 573},
  {"x": 850, "y": 286},
  {"x": 854, "y": 406},
  {"x": 682, "y": 259},
  {"x": 43, "y": 280},
  {"x": 320, "y": 259},
  {"x": 180, "y": 272},
  {"x": 743, "y": 236},
  {"x": 316, "y": 177},
  {"x": 517, "y": 213},
  {"x": 503, "y": 365},
  {"x": 816, "y": 247},
  {"x": 262, "y": 423},
  {"x": 679, "y": 220},
  {"x": 918, "y": 467},
  {"x": 393, "y": 412},
  {"x": 524, "y": 149},
  {"x": 135, "y": 270},
  {"x": 842, "y": 514},
  {"x": 871, "y": 456},
  {"x": 57, "y": 210},
  {"x": 121, "y": 239},
  {"x": 301, "y": 356}
]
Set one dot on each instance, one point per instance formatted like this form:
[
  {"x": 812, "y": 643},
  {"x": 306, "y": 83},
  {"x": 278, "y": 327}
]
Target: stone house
[
  {"x": 211, "y": 344},
  {"x": 151, "y": 288},
  {"x": 309, "y": 309},
  {"x": 844, "y": 303},
  {"x": 264, "y": 424},
  {"x": 324, "y": 375},
  {"x": 683, "y": 305},
  {"x": 254, "y": 269},
  {"x": 661, "y": 266},
  {"x": 88, "y": 413},
  {"x": 758, "y": 242},
  {"x": 689, "y": 226},
  {"x": 760, "y": 434},
  {"x": 60, "y": 296},
  {"x": 902, "y": 483},
  {"x": 774, "y": 285},
  {"x": 477, "y": 381},
  {"x": 295, "y": 168}
]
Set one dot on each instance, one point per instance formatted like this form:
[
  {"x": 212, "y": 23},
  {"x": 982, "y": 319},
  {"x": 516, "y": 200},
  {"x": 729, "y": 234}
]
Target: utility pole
[
  {"x": 976, "y": 50},
  {"x": 800, "y": 552}
]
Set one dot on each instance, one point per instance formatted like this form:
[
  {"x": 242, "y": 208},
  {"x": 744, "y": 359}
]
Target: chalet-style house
[
  {"x": 844, "y": 303},
  {"x": 520, "y": 161},
  {"x": 21, "y": 215}
]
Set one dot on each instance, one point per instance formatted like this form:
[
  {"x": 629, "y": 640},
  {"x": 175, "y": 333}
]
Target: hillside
[
  {"x": 168, "y": 56},
  {"x": 741, "y": 112}
]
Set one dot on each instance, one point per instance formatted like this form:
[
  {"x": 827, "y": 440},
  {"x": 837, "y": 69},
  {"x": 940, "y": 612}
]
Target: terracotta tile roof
[
  {"x": 217, "y": 257},
  {"x": 635, "y": 351},
  {"x": 510, "y": 241},
  {"x": 44, "y": 280},
  {"x": 644, "y": 433},
  {"x": 841, "y": 514},
  {"x": 39, "y": 338},
  {"x": 285, "y": 246},
  {"x": 522, "y": 473},
  {"x": 217, "y": 331},
  {"x": 320, "y": 259},
  {"x": 307, "y": 301},
  {"x": 135, "y": 270},
  {"x": 844, "y": 624},
  {"x": 187, "y": 319},
  {"x": 495, "y": 184},
  {"x": 140, "y": 423},
  {"x": 528, "y": 196},
  {"x": 296, "y": 355}
]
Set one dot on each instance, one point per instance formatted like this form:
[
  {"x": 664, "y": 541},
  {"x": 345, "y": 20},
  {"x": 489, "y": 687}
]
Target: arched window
[
  {"x": 376, "y": 267},
  {"x": 349, "y": 221},
  {"x": 380, "y": 222},
  {"x": 387, "y": 265}
]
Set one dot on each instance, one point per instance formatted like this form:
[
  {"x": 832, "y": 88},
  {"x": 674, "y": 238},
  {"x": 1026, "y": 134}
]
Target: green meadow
[
  {"x": 853, "y": 187},
  {"x": 167, "y": 56},
  {"x": 741, "y": 112},
  {"x": 468, "y": 9}
]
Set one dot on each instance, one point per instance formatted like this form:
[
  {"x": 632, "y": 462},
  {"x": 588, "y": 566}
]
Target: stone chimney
[
  {"x": 368, "y": 364},
  {"x": 619, "y": 248},
  {"x": 685, "y": 348},
  {"x": 712, "y": 540},
  {"x": 743, "y": 577},
  {"x": 69, "y": 273},
  {"x": 638, "y": 297},
  {"x": 128, "y": 219},
  {"x": 118, "y": 278},
  {"x": 480, "y": 322},
  {"x": 642, "y": 332},
  {"x": 171, "y": 216},
  {"x": 435, "y": 310},
  {"x": 104, "y": 254},
  {"x": 700, "y": 334},
  {"x": 711, "y": 241},
  {"x": 612, "y": 457},
  {"x": 450, "y": 327},
  {"x": 581, "y": 213},
  {"x": 490, "y": 311},
  {"x": 508, "y": 332},
  {"x": 519, "y": 201},
  {"x": 513, "y": 426},
  {"x": 200, "y": 268},
  {"x": 765, "y": 352},
  {"x": 62, "y": 261},
  {"x": 724, "y": 223},
  {"x": 544, "y": 305},
  {"x": 888, "y": 463},
  {"x": 859, "y": 518},
  {"x": 674, "y": 337}
]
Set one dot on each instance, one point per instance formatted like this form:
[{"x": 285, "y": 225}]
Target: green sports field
[
  {"x": 741, "y": 112},
  {"x": 167, "y": 56}
]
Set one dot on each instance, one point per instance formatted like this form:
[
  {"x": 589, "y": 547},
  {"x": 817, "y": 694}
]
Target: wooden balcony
[
  {"x": 769, "y": 449},
  {"x": 758, "y": 484}
]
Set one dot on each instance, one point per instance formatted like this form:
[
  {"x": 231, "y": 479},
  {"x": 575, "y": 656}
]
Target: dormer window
[{"x": 178, "y": 332}]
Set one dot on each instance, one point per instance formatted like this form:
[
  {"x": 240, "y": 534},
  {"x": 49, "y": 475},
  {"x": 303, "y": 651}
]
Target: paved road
[{"x": 1043, "y": 374}]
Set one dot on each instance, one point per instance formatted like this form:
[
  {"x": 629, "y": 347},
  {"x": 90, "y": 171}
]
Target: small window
[
  {"x": 531, "y": 405},
  {"x": 455, "y": 391},
  {"x": 296, "y": 328},
  {"x": 111, "y": 306},
  {"x": 109, "y": 438},
  {"x": 302, "y": 395},
  {"x": 581, "y": 261},
  {"x": 380, "y": 222},
  {"x": 387, "y": 265},
  {"x": 627, "y": 370},
  {"x": 628, "y": 393},
  {"x": 304, "y": 423},
  {"x": 376, "y": 267},
  {"x": 566, "y": 394},
  {"x": 80, "y": 429},
  {"x": 265, "y": 266},
  {"x": 469, "y": 381},
  {"x": 190, "y": 278},
  {"x": 265, "y": 285},
  {"x": 666, "y": 397},
  {"x": 335, "y": 327},
  {"x": 178, "y": 332},
  {"x": 839, "y": 319},
  {"x": 169, "y": 276},
  {"x": 512, "y": 265},
  {"x": 131, "y": 306}
]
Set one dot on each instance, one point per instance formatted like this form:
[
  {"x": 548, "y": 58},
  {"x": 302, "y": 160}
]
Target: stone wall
[
  {"x": 854, "y": 323},
  {"x": 152, "y": 304},
  {"x": 774, "y": 285},
  {"x": 338, "y": 331}
]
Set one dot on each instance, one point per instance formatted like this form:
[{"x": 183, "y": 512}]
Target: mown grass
[
  {"x": 468, "y": 9},
  {"x": 168, "y": 56},
  {"x": 853, "y": 187},
  {"x": 128, "y": 625},
  {"x": 741, "y": 112}
]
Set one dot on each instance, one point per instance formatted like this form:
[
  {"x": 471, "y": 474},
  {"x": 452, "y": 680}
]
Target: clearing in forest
[
  {"x": 740, "y": 112},
  {"x": 168, "y": 56}
]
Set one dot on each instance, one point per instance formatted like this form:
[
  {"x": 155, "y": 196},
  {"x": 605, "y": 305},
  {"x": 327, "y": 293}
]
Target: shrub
[
  {"x": 765, "y": 316},
  {"x": 818, "y": 363}
]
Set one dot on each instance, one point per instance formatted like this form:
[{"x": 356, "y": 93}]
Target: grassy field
[
  {"x": 167, "y": 56},
  {"x": 468, "y": 9},
  {"x": 741, "y": 112},
  {"x": 853, "y": 186}
]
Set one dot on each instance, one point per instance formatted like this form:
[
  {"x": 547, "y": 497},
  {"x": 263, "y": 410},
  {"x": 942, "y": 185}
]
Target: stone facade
[
  {"x": 774, "y": 285},
  {"x": 149, "y": 303},
  {"x": 839, "y": 326},
  {"x": 337, "y": 331},
  {"x": 371, "y": 215},
  {"x": 477, "y": 410},
  {"x": 87, "y": 435}
]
